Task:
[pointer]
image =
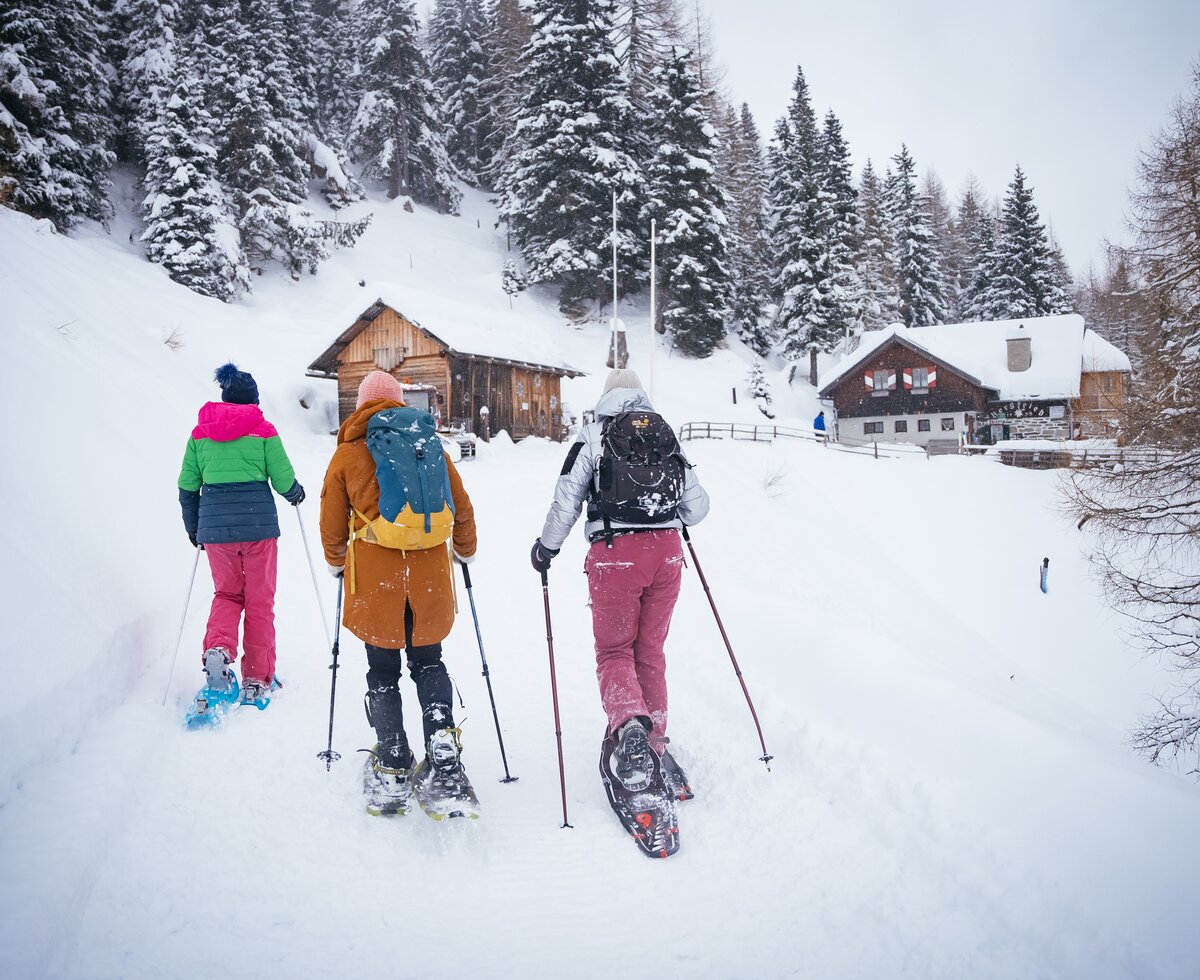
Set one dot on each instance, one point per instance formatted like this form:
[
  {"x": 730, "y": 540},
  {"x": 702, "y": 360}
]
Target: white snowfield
[{"x": 951, "y": 796}]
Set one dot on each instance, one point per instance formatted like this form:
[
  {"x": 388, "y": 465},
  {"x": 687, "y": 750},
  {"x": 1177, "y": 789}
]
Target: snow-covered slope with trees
[{"x": 951, "y": 796}]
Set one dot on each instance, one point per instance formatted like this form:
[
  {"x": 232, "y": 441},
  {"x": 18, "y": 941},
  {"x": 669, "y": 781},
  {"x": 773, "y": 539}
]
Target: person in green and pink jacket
[{"x": 228, "y": 511}]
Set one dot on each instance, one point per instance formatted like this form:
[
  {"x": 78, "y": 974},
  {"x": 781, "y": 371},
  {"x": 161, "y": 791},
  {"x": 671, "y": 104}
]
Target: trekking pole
[
  {"x": 182, "y": 619},
  {"x": 766, "y": 757},
  {"x": 329, "y": 755},
  {"x": 562, "y": 777},
  {"x": 313, "y": 572},
  {"x": 486, "y": 675}
]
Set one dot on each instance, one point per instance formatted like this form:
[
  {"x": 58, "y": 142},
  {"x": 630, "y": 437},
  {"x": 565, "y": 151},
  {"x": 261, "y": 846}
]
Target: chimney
[{"x": 1020, "y": 353}]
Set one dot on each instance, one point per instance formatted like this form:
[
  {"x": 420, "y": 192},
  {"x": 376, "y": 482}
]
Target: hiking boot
[
  {"x": 388, "y": 787},
  {"x": 633, "y": 760},
  {"x": 446, "y": 774},
  {"x": 216, "y": 669}
]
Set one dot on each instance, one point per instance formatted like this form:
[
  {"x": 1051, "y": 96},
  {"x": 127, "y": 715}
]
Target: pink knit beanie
[{"x": 379, "y": 384}]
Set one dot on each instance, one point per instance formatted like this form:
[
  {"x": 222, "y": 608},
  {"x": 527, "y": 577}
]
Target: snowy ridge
[{"x": 951, "y": 793}]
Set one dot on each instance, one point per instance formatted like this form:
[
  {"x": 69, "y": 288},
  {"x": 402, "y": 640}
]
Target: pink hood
[{"x": 225, "y": 421}]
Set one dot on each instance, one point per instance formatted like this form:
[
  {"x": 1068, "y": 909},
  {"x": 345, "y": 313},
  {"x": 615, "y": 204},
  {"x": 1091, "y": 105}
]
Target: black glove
[
  {"x": 195, "y": 543},
  {"x": 540, "y": 556},
  {"x": 295, "y": 496}
]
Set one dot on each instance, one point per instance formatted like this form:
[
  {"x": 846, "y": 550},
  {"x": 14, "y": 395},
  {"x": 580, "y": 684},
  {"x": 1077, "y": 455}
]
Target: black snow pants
[{"x": 383, "y": 703}]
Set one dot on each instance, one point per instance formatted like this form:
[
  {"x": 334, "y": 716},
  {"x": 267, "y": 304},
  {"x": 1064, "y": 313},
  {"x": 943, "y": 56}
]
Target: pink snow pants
[
  {"x": 244, "y": 579},
  {"x": 633, "y": 587}
]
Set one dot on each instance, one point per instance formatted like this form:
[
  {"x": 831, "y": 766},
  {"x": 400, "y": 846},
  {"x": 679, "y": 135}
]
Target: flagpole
[
  {"x": 615, "y": 357},
  {"x": 653, "y": 274}
]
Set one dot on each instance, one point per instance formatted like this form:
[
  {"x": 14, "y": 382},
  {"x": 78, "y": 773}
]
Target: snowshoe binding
[
  {"x": 388, "y": 789},
  {"x": 675, "y": 778},
  {"x": 256, "y": 694},
  {"x": 440, "y": 783},
  {"x": 633, "y": 781},
  {"x": 219, "y": 694}
]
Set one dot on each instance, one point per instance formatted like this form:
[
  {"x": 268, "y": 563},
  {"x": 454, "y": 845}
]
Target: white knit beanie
[{"x": 622, "y": 378}]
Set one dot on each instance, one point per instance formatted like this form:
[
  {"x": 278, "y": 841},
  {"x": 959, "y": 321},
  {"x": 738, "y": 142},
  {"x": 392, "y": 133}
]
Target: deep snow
[{"x": 951, "y": 796}]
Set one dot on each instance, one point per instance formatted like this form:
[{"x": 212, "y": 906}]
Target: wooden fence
[{"x": 744, "y": 432}]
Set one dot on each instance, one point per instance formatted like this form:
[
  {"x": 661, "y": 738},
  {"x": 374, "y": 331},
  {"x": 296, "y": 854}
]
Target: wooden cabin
[
  {"x": 522, "y": 397},
  {"x": 1040, "y": 378}
]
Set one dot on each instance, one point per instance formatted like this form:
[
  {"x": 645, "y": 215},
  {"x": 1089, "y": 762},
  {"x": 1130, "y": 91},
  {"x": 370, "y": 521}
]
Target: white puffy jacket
[{"x": 579, "y": 472}]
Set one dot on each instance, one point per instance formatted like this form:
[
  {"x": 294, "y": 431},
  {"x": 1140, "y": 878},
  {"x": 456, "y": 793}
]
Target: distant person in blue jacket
[{"x": 819, "y": 426}]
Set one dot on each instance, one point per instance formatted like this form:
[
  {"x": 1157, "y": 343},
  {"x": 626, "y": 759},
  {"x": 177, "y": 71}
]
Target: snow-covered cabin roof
[
  {"x": 1061, "y": 348},
  {"x": 460, "y": 329}
]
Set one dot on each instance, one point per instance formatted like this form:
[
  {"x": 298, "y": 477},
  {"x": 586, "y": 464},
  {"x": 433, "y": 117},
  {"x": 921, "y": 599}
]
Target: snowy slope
[{"x": 951, "y": 794}]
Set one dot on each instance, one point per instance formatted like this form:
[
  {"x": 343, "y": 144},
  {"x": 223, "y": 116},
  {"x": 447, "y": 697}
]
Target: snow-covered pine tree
[
  {"x": 458, "y": 67},
  {"x": 685, "y": 199},
  {"x": 335, "y": 66},
  {"x": 644, "y": 32},
  {"x": 298, "y": 22},
  {"x": 145, "y": 75},
  {"x": 965, "y": 247},
  {"x": 800, "y": 217},
  {"x": 188, "y": 230},
  {"x": 760, "y": 390},
  {"x": 55, "y": 111},
  {"x": 568, "y": 153},
  {"x": 875, "y": 257},
  {"x": 945, "y": 238},
  {"x": 1024, "y": 281},
  {"x": 976, "y": 303},
  {"x": 843, "y": 232},
  {"x": 749, "y": 261},
  {"x": 397, "y": 130},
  {"x": 922, "y": 288},
  {"x": 508, "y": 31}
]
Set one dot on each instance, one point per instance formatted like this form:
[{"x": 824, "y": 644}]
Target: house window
[
  {"x": 880, "y": 381},
  {"x": 1108, "y": 383},
  {"x": 920, "y": 378},
  {"x": 1058, "y": 411},
  {"x": 902, "y": 425},
  {"x": 922, "y": 425},
  {"x": 872, "y": 428},
  {"x": 383, "y": 358},
  {"x": 947, "y": 425}
]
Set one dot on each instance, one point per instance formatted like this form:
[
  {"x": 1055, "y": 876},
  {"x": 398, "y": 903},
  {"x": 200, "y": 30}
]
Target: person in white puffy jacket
[{"x": 634, "y": 567}]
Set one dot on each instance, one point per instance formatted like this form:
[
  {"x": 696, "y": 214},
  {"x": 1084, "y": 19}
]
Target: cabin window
[
  {"x": 872, "y": 428},
  {"x": 1108, "y": 382},
  {"x": 383, "y": 358},
  {"x": 922, "y": 425},
  {"x": 902, "y": 425},
  {"x": 879, "y": 381},
  {"x": 947, "y": 425},
  {"x": 920, "y": 378},
  {"x": 1057, "y": 411}
]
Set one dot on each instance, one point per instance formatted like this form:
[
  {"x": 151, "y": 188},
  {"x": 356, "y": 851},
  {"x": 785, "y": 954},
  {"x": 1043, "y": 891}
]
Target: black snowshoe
[
  {"x": 675, "y": 778},
  {"x": 440, "y": 783},
  {"x": 633, "y": 781},
  {"x": 388, "y": 789}
]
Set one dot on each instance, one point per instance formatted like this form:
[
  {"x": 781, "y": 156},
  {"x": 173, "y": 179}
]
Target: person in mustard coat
[{"x": 399, "y": 603}]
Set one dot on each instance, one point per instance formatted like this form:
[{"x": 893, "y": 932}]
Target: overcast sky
[{"x": 1069, "y": 89}]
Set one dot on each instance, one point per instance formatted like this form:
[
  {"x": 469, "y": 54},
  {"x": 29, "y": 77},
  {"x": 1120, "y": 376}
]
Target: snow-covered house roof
[
  {"x": 460, "y": 329},
  {"x": 1061, "y": 348}
]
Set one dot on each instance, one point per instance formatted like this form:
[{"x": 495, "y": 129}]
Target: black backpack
[{"x": 641, "y": 473}]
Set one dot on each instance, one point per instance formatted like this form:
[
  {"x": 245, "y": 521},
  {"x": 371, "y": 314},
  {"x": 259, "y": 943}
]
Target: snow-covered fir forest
[{"x": 230, "y": 112}]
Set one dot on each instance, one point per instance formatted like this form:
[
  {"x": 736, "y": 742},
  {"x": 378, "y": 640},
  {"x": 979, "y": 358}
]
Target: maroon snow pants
[{"x": 633, "y": 587}]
